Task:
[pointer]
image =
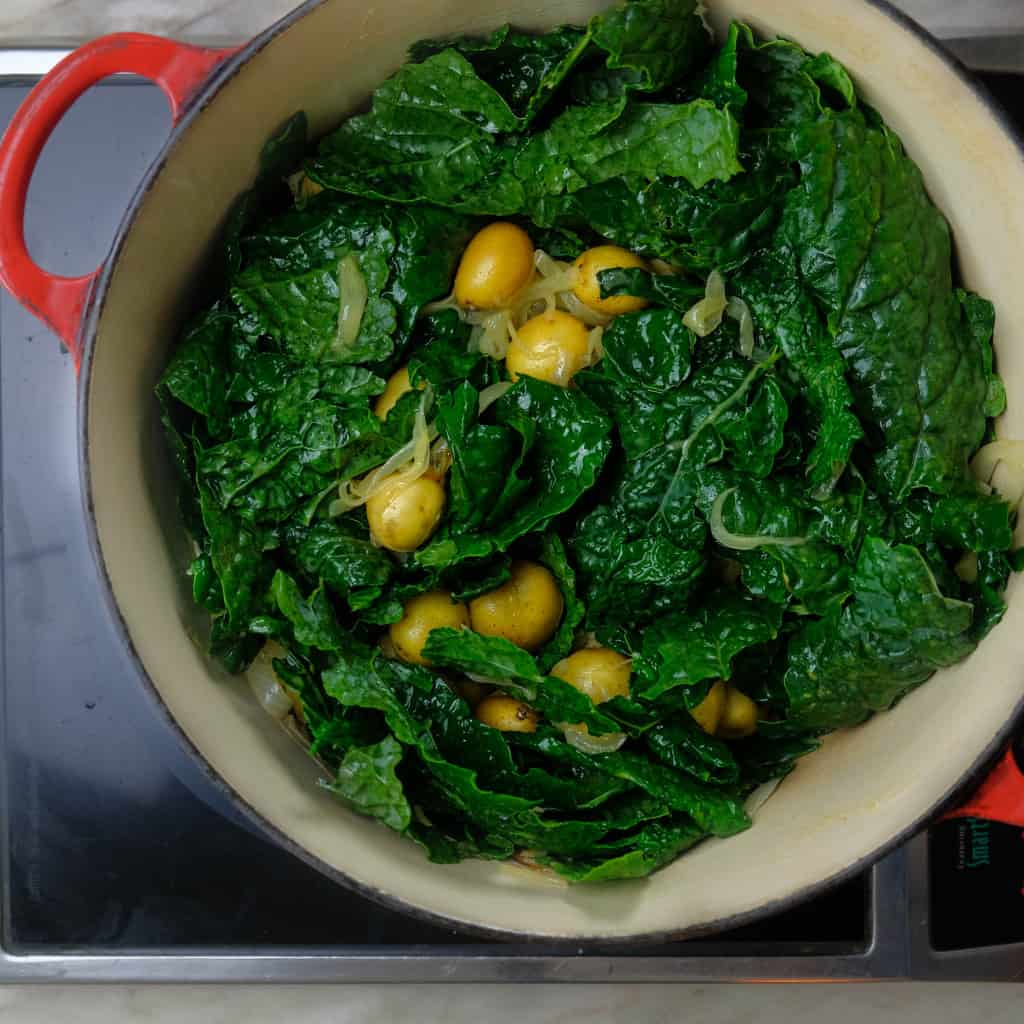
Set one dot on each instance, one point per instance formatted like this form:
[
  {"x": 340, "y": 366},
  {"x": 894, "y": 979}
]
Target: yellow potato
[
  {"x": 588, "y": 287},
  {"x": 403, "y": 515},
  {"x": 423, "y": 613},
  {"x": 506, "y": 714},
  {"x": 708, "y": 713},
  {"x": 496, "y": 266},
  {"x": 739, "y": 717},
  {"x": 471, "y": 691},
  {"x": 551, "y": 346},
  {"x": 525, "y": 610},
  {"x": 599, "y": 672}
]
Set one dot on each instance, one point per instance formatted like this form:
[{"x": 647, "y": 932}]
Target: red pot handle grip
[
  {"x": 1000, "y": 797},
  {"x": 178, "y": 69}
]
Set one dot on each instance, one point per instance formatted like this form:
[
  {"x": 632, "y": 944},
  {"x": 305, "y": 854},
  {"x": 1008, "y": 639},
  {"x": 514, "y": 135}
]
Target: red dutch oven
[{"x": 865, "y": 791}]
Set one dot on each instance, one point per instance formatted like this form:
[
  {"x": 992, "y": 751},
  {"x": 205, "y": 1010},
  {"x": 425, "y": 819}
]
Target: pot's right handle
[
  {"x": 1000, "y": 797},
  {"x": 179, "y": 70}
]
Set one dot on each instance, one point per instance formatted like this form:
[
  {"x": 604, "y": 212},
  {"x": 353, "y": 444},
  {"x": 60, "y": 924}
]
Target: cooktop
[{"x": 120, "y": 861}]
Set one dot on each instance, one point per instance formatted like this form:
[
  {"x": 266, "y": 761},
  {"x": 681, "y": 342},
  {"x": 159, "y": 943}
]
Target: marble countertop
[
  {"x": 42, "y": 22},
  {"x": 498, "y": 1004}
]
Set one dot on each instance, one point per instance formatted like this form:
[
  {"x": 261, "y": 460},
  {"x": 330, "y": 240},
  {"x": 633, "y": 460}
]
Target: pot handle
[
  {"x": 178, "y": 69},
  {"x": 1000, "y": 797}
]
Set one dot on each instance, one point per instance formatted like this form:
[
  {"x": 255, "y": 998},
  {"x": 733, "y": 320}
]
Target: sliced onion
[
  {"x": 484, "y": 680},
  {"x": 352, "y": 288},
  {"x": 706, "y": 316},
  {"x": 1000, "y": 465},
  {"x": 448, "y": 302},
  {"x": 741, "y": 542},
  {"x": 492, "y": 334},
  {"x": 491, "y": 394},
  {"x": 578, "y": 737},
  {"x": 595, "y": 346},
  {"x": 760, "y": 796},
  {"x": 579, "y": 309},
  {"x": 408, "y": 464},
  {"x": 263, "y": 682},
  {"x": 738, "y": 310}
]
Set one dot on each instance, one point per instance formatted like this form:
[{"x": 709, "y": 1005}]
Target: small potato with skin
[
  {"x": 588, "y": 288},
  {"x": 403, "y": 515},
  {"x": 506, "y": 714},
  {"x": 423, "y": 613},
  {"x": 397, "y": 386},
  {"x": 739, "y": 716},
  {"x": 496, "y": 265},
  {"x": 551, "y": 346},
  {"x": 599, "y": 672},
  {"x": 708, "y": 713},
  {"x": 525, "y": 610},
  {"x": 471, "y": 691}
]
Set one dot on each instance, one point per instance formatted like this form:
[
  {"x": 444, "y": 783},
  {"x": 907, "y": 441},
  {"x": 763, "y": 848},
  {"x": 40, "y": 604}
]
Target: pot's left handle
[{"x": 179, "y": 70}]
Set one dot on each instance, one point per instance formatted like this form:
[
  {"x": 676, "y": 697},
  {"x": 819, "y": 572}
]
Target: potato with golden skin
[
  {"x": 506, "y": 714},
  {"x": 422, "y": 614},
  {"x": 588, "y": 288},
  {"x": 496, "y": 265},
  {"x": 739, "y": 716},
  {"x": 708, "y": 713},
  {"x": 599, "y": 672},
  {"x": 403, "y": 514},
  {"x": 551, "y": 346},
  {"x": 525, "y": 610}
]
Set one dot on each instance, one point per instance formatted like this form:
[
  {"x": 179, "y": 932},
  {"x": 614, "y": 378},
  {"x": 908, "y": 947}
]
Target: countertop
[
  {"x": 49, "y": 22},
  {"x": 41, "y": 21}
]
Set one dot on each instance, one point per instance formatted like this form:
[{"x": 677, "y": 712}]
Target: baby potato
[
  {"x": 551, "y": 346},
  {"x": 708, "y": 713},
  {"x": 599, "y": 672},
  {"x": 506, "y": 714},
  {"x": 588, "y": 287},
  {"x": 421, "y": 614},
  {"x": 497, "y": 264},
  {"x": 402, "y": 515},
  {"x": 739, "y": 716},
  {"x": 471, "y": 691},
  {"x": 398, "y": 385},
  {"x": 526, "y": 610}
]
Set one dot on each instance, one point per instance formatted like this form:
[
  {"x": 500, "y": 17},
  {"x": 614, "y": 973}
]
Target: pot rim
[{"x": 94, "y": 309}]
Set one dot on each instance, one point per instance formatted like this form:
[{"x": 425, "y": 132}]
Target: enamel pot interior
[{"x": 842, "y": 806}]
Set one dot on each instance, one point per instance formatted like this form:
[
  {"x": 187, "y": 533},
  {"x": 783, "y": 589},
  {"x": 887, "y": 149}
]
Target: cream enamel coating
[{"x": 842, "y": 804}]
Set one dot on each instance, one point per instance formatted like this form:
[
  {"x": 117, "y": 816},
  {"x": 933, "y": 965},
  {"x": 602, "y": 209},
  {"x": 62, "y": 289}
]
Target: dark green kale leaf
[
  {"x": 345, "y": 559},
  {"x": 525, "y": 70},
  {"x": 313, "y": 621},
  {"x": 553, "y": 555},
  {"x": 290, "y": 286},
  {"x": 805, "y": 570},
  {"x": 649, "y": 350},
  {"x": 682, "y": 744},
  {"x": 198, "y": 374},
  {"x": 366, "y": 780},
  {"x": 649, "y": 849},
  {"x": 714, "y": 810},
  {"x": 544, "y": 452},
  {"x": 897, "y": 630},
  {"x": 690, "y": 646}
]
